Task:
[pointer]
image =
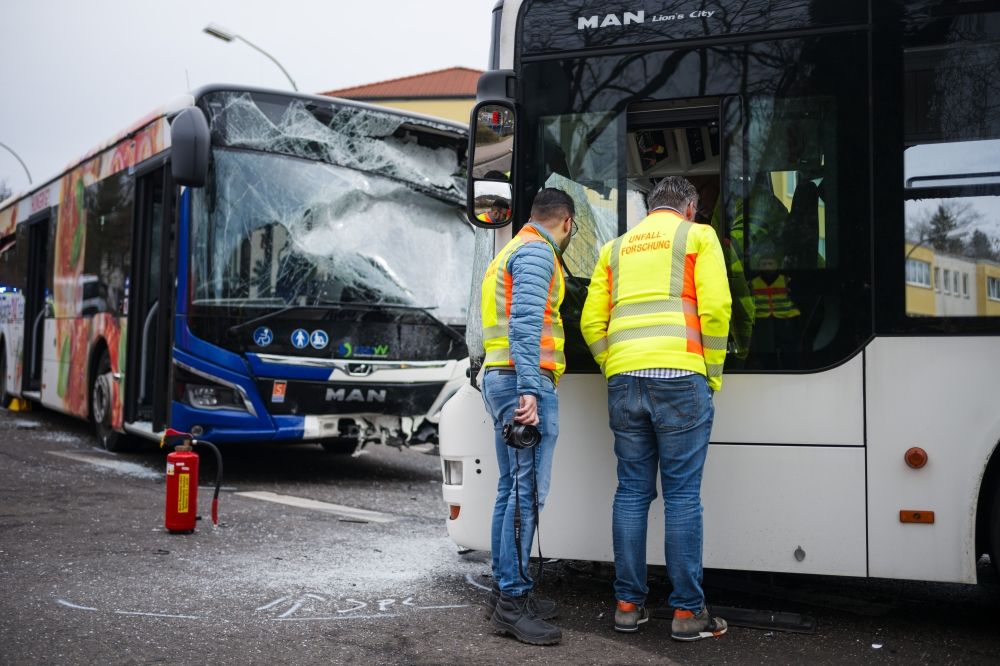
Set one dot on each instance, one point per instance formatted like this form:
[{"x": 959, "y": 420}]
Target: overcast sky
[{"x": 76, "y": 73}]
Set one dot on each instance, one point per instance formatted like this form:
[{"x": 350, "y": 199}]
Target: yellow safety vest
[
  {"x": 498, "y": 290},
  {"x": 659, "y": 298},
  {"x": 771, "y": 300}
]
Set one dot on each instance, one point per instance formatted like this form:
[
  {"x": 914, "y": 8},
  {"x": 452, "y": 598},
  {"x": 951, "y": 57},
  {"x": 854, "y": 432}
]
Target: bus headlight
[
  {"x": 452, "y": 472},
  {"x": 203, "y": 396},
  {"x": 202, "y": 391}
]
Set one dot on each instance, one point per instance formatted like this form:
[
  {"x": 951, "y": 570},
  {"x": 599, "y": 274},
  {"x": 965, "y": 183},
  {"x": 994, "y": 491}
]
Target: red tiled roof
[{"x": 451, "y": 82}]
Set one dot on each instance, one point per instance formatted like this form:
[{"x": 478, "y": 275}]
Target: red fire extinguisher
[{"x": 182, "y": 482}]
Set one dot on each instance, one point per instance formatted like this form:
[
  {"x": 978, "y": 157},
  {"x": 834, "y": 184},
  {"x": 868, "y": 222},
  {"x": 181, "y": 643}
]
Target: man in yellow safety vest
[
  {"x": 524, "y": 342},
  {"x": 657, "y": 322},
  {"x": 498, "y": 214}
]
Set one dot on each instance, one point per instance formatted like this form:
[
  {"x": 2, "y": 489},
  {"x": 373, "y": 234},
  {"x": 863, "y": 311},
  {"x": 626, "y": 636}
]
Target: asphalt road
[{"x": 89, "y": 576}]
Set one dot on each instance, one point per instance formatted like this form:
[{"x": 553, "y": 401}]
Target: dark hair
[
  {"x": 551, "y": 204},
  {"x": 500, "y": 203},
  {"x": 674, "y": 192}
]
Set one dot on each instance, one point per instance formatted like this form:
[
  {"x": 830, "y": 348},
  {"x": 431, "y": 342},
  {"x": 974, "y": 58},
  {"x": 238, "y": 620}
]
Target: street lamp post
[
  {"x": 18, "y": 158},
  {"x": 219, "y": 32}
]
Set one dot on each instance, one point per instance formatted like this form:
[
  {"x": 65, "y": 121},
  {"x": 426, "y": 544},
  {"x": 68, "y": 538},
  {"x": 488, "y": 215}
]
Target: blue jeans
[
  {"x": 665, "y": 422},
  {"x": 501, "y": 398}
]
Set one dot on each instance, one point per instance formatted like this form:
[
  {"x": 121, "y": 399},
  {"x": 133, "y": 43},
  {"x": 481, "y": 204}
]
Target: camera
[{"x": 520, "y": 436}]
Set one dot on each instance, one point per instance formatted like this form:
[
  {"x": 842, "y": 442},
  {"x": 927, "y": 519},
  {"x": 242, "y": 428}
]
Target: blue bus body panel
[{"x": 223, "y": 425}]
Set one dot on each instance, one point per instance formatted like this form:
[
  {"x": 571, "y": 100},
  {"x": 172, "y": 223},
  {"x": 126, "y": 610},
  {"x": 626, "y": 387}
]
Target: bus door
[
  {"x": 36, "y": 308},
  {"x": 150, "y": 296}
]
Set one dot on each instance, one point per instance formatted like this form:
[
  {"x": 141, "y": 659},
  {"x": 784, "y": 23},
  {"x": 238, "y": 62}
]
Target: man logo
[
  {"x": 628, "y": 18},
  {"x": 355, "y": 395}
]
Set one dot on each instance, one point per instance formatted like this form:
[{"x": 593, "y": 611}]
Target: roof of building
[{"x": 451, "y": 82}]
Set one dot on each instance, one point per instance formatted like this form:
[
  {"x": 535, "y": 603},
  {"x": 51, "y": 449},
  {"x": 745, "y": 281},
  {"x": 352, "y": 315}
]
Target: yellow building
[
  {"x": 919, "y": 291},
  {"x": 445, "y": 93},
  {"x": 988, "y": 281}
]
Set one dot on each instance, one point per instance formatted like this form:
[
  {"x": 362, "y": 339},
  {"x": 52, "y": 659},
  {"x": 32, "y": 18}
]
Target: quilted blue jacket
[{"x": 531, "y": 267}]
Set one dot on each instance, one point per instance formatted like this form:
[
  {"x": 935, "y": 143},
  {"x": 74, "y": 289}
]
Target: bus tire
[
  {"x": 341, "y": 446},
  {"x": 100, "y": 405},
  {"x": 4, "y": 395}
]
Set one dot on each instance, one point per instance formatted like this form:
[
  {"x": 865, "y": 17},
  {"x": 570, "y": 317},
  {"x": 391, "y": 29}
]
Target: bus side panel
[
  {"x": 808, "y": 497},
  {"x": 822, "y": 408},
  {"x": 466, "y": 435},
  {"x": 939, "y": 394},
  {"x": 796, "y": 509}
]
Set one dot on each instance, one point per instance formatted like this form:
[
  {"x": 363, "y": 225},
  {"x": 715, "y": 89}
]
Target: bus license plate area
[{"x": 336, "y": 398}]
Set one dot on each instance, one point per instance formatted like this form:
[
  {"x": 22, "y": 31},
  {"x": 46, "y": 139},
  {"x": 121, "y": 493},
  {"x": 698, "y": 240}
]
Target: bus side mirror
[
  {"x": 491, "y": 151},
  {"x": 189, "y": 141}
]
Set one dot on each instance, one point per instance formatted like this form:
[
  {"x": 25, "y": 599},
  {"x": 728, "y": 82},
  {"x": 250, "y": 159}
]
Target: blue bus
[{"x": 245, "y": 265}]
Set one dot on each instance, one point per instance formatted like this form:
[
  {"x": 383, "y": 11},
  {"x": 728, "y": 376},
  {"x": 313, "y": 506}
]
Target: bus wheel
[
  {"x": 100, "y": 406},
  {"x": 341, "y": 446},
  {"x": 4, "y": 396}
]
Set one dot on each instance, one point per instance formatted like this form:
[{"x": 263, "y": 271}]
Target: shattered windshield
[
  {"x": 276, "y": 231},
  {"x": 423, "y": 153}
]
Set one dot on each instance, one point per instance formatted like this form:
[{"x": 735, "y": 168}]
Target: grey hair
[{"x": 674, "y": 192}]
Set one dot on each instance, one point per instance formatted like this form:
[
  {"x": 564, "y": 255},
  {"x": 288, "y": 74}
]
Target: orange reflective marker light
[
  {"x": 915, "y": 457},
  {"x": 916, "y": 516},
  {"x": 454, "y": 510}
]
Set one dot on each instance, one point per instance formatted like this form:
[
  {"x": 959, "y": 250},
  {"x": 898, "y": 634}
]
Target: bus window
[
  {"x": 951, "y": 165},
  {"x": 108, "y": 244},
  {"x": 9, "y": 270},
  {"x": 579, "y": 154}
]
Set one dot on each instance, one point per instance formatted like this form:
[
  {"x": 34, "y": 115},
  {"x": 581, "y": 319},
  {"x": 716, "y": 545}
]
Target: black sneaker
[
  {"x": 543, "y": 609},
  {"x": 512, "y": 616},
  {"x": 629, "y": 616},
  {"x": 691, "y": 626}
]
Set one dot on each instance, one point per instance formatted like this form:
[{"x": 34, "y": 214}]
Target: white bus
[{"x": 850, "y": 148}]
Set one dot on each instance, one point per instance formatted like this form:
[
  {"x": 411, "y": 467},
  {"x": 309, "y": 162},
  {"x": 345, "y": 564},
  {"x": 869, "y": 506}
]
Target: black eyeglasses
[{"x": 573, "y": 226}]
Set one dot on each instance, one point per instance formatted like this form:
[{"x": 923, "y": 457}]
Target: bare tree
[
  {"x": 5, "y": 190},
  {"x": 944, "y": 227}
]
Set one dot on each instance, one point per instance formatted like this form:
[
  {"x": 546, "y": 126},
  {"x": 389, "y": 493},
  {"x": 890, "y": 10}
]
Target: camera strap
[{"x": 517, "y": 513}]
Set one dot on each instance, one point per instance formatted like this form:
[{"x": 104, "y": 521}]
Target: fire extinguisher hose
[{"x": 218, "y": 478}]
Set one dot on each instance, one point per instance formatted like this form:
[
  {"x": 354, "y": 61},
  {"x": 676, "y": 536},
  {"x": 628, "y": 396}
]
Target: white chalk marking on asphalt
[
  {"x": 334, "y": 617},
  {"x": 272, "y": 604},
  {"x": 115, "y": 465},
  {"x": 436, "y": 607},
  {"x": 183, "y": 617},
  {"x": 291, "y": 611},
  {"x": 69, "y": 605},
  {"x": 303, "y": 503},
  {"x": 360, "y": 605},
  {"x": 472, "y": 581}
]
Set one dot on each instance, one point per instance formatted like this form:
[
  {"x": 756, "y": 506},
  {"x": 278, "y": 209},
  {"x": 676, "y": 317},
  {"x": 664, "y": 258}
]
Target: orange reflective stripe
[
  {"x": 690, "y": 296},
  {"x": 496, "y": 335}
]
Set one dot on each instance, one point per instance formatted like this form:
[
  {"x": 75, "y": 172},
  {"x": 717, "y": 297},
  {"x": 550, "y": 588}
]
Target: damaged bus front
[{"x": 325, "y": 298}]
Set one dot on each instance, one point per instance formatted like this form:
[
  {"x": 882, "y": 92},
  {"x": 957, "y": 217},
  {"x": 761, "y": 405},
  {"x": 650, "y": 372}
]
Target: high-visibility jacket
[
  {"x": 659, "y": 298},
  {"x": 497, "y": 298},
  {"x": 485, "y": 217},
  {"x": 772, "y": 300}
]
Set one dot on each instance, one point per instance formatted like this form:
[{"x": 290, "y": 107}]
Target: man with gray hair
[{"x": 657, "y": 322}]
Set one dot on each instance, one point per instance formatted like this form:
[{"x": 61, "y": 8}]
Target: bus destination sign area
[{"x": 549, "y": 27}]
